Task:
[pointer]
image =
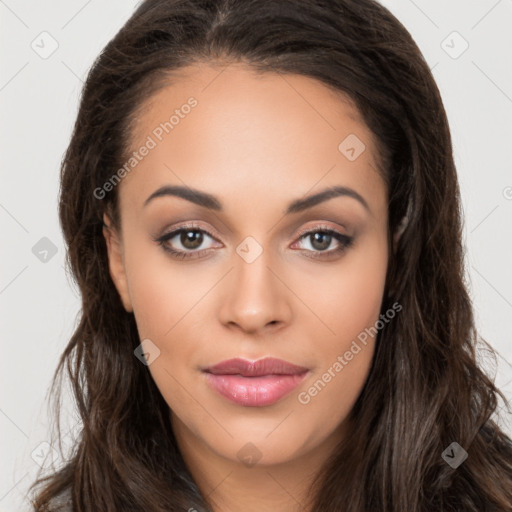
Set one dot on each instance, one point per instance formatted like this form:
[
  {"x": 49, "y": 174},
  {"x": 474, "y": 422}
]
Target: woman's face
[{"x": 267, "y": 264}]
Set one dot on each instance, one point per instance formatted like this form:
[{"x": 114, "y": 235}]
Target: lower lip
[{"x": 254, "y": 391}]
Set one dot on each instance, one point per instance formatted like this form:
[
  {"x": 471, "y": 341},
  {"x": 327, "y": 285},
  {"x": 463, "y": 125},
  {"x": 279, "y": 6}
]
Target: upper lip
[{"x": 246, "y": 368}]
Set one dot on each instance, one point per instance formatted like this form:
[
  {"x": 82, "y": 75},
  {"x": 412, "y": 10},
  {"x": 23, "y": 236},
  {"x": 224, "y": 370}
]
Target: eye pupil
[
  {"x": 191, "y": 239},
  {"x": 323, "y": 238}
]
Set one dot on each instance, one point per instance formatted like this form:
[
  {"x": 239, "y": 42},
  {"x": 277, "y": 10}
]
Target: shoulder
[{"x": 62, "y": 502}]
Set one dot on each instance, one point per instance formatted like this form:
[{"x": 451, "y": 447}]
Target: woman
[{"x": 263, "y": 216}]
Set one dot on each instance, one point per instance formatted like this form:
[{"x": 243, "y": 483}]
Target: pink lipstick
[{"x": 254, "y": 383}]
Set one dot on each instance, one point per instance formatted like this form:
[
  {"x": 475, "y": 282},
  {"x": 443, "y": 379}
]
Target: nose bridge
[{"x": 255, "y": 297}]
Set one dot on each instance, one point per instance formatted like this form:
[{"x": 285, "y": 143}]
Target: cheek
[
  {"x": 348, "y": 304},
  {"x": 331, "y": 393},
  {"x": 346, "y": 298},
  {"x": 166, "y": 301},
  {"x": 173, "y": 307},
  {"x": 163, "y": 293}
]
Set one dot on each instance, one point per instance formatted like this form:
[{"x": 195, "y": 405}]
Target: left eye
[{"x": 321, "y": 240}]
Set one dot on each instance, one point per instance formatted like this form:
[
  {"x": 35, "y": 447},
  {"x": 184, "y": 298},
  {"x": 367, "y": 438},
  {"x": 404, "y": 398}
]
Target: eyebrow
[{"x": 212, "y": 203}]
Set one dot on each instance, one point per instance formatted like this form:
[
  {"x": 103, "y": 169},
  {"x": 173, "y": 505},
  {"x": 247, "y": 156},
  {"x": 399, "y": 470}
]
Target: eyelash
[{"x": 345, "y": 242}]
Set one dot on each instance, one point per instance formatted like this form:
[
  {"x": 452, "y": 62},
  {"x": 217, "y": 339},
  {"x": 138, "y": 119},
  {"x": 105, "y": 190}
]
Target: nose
[{"x": 255, "y": 299}]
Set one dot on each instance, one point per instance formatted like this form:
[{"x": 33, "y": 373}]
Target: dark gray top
[{"x": 61, "y": 502}]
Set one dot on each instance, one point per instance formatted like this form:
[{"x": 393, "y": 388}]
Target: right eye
[{"x": 190, "y": 238}]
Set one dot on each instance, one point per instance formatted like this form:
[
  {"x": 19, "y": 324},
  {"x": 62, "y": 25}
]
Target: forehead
[
  {"x": 241, "y": 91},
  {"x": 228, "y": 127}
]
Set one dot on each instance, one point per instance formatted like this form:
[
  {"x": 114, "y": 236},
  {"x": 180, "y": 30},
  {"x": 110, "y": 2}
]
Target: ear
[
  {"x": 399, "y": 230},
  {"x": 396, "y": 237},
  {"x": 116, "y": 262}
]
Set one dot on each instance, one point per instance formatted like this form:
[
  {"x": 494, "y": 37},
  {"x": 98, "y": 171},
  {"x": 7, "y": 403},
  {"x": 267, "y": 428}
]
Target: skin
[{"x": 256, "y": 142}]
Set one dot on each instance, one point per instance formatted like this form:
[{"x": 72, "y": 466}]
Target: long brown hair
[{"x": 425, "y": 389}]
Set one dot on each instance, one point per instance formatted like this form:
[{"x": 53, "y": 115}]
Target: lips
[
  {"x": 254, "y": 383},
  {"x": 266, "y": 366}
]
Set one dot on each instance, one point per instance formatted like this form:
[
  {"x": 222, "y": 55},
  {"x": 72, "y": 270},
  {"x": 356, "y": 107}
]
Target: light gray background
[{"x": 38, "y": 102}]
